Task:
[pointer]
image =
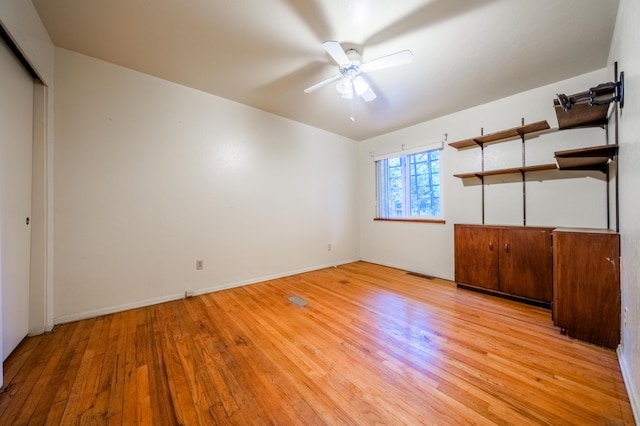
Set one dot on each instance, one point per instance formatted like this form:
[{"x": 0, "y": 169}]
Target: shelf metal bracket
[{"x": 602, "y": 94}]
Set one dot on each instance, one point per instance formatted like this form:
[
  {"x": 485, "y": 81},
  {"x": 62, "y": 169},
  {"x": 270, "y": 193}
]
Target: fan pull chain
[{"x": 352, "y": 118}]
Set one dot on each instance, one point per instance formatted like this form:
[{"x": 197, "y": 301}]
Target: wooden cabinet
[
  {"x": 476, "y": 256},
  {"x": 587, "y": 285},
  {"x": 526, "y": 266},
  {"x": 576, "y": 271},
  {"x": 508, "y": 260}
]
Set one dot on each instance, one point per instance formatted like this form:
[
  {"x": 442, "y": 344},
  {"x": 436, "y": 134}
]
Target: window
[{"x": 409, "y": 186}]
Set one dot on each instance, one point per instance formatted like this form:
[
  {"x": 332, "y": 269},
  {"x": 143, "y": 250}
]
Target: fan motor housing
[{"x": 353, "y": 68}]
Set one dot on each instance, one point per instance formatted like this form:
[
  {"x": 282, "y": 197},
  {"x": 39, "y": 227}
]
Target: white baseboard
[
  {"x": 34, "y": 331},
  {"x": 632, "y": 387},
  {"x": 154, "y": 301},
  {"x": 271, "y": 277},
  {"x": 405, "y": 268},
  {"x": 113, "y": 309}
]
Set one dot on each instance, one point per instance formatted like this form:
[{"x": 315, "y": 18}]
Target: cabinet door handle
[
  {"x": 491, "y": 246},
  {"x": 506, "y": 247}
]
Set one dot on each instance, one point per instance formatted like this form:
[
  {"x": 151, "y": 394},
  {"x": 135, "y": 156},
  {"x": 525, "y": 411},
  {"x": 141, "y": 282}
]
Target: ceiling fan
[{"x": 350, "y": 65}]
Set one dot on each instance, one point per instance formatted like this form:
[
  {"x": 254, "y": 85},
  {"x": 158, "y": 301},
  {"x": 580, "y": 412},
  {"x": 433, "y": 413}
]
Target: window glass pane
[
  {"x": 409, "y": 186},
  {"x": 395, "y": 186}
]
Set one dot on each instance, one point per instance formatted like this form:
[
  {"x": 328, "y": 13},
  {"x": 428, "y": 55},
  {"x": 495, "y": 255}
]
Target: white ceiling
[{"x": 264, "y": 53}]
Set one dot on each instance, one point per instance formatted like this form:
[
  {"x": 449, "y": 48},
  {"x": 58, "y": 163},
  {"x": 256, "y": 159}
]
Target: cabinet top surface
[
  {"x": 533, "y": 228},
  {"x": 544, "y": 228},
  {"x": 585, "y": 230}
]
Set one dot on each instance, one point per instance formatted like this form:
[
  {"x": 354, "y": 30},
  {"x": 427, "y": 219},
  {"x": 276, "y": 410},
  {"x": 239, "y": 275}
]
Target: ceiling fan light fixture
[{"x": 345, "y": 88}]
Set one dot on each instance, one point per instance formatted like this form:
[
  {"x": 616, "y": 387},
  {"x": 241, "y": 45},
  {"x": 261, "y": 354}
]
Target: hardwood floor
[{"x": 372, "y": 345}]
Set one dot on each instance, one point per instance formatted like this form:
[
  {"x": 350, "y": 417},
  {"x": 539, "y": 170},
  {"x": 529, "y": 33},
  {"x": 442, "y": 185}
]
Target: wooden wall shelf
[
  {"x": 501, "y": 136},
  {"x": 581, "y": 115},
  {"x": 591, "y": 158},
  {"x": 496, "y": 172}
]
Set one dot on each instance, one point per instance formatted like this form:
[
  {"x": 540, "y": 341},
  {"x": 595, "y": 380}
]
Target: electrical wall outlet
[
  {"x": 329, "y": 247},
  {"x": 625, "y": 315},
  {"x": 199, "y": 265}
]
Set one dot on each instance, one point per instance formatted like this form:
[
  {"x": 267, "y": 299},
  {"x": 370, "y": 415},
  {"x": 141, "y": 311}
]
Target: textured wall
[
  {"x": 624, "y": 50},
  {"x": 151, "y": 175}
]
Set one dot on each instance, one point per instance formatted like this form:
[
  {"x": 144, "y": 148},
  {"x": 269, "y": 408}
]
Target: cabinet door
[
  {"x": 526, "y": 263},
  {"x": 476, "y": 256},
  {"x": 587, "y": 286}
]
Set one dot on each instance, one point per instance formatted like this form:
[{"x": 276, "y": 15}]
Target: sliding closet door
[{"x": 16, "y": 129}]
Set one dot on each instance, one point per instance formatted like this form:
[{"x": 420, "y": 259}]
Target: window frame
[{"x": 406, "y": 178}]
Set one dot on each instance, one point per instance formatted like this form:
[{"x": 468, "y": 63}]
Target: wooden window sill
[{"x": 441, "y": 221}]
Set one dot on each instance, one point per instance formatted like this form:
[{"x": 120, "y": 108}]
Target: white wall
[
  {"x": 555, "y": 198},
  {"x": 151, "y": 175},
  {"x": 624, "y": 50}
]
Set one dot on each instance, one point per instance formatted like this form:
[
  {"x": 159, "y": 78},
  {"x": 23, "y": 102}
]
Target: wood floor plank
[
  {"x": 185, "y": 410},
  {"x": 370, "y": 344},
  {"x": 252, "y": 371},
  {"x": 20, "y": 357},
  {"x": 205, "y": 398},
  {"x": 68, "y": 370},
  {"x": 282, "y": 351},
  {"x": 365, "y": 388},
  {"x": 117, "y": 341},
  {"x": 162, "y": 407},
  {"x": 82, "y": 394},
  {"x": 361, "y": 344},
  {"x": 36, "y": 407},
  {"x": 229, "y": 391}
]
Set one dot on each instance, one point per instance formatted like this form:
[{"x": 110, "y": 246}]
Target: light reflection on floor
[{"x": 407, "y": 328}]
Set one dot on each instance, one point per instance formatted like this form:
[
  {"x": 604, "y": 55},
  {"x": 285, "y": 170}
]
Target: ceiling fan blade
[
  {"x": 323, "y": 83},
  {"x": 393, "y": 60},
  {"x": 368, "y": 95},
  {"x": 336, "y": 51},
  {"x": 363, "y": 89}
]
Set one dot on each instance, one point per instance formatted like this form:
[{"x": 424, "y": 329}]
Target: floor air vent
[
  {"x": 298, "y": 301},
  {"x": 417, "y": 274}
]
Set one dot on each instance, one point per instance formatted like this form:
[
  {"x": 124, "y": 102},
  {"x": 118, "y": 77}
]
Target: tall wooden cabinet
[
  {"x": 587, "y": 285},
  {"x": 511, "y": 260}
]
